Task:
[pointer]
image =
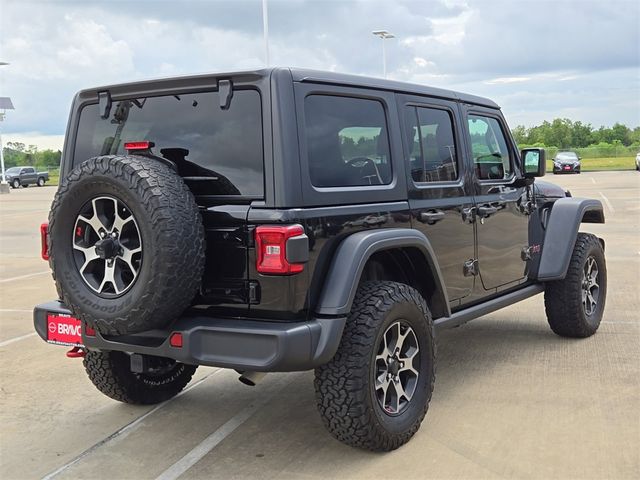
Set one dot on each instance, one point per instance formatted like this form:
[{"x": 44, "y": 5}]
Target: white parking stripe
[
  {"x": 606, "y": 200},
  {"x": 127, "y": 428},
  {"x": 4, "y": 280},
  {"x": 15, "y": 310},
  {"x": 209, "y": 443},
  {"x": 16, "y": 339},
  {"x": 593, "y": 179}
]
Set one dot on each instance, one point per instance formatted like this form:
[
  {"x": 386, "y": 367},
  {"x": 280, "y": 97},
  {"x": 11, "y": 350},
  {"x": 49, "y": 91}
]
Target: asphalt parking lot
[{"x": 511, "y": 398}]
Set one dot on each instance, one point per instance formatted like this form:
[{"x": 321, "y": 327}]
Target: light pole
[
  {"x": 265, "y": 31},
  {"x": 383, "y": 34},
  {"x": 5, "y": 104}
]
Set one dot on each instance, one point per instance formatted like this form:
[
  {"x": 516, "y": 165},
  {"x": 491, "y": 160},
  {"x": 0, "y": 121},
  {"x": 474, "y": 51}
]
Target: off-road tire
[
  {"x": 111, "y": 373},
  {"x": 172, "y": 238},
  {"x": 41, "y": 182},
  {"x": 345, "y": 386},
  {"x": 15, "y": 183},
  {"x": 563, "y": 298}
]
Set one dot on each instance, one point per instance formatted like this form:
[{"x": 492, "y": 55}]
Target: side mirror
[{"x": 534, "y": 162}]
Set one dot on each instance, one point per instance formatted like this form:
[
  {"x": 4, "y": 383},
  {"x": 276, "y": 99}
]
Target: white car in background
[{"x": 638, "y": 161}]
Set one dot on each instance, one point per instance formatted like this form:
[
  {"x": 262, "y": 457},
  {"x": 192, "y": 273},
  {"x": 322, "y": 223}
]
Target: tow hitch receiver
[{"x": 76, "y": 352}]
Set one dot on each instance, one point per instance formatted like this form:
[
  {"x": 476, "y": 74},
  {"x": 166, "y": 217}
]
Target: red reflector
[
  {"x": 138, "y": 145},
  {"x": 271, "y": 246},
  {"x": 89, "y": 332},
  {"x": 44, "y": 241},
  {"x": 176, "y": 340}
]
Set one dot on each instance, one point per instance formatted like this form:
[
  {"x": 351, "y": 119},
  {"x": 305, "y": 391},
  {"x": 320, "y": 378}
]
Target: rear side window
[
  {"x": 219, "y": 152},
  {"x": 433, "y": 156},
  {"x": 347, "y": 141},
  {"x": 491, "y": 154}
]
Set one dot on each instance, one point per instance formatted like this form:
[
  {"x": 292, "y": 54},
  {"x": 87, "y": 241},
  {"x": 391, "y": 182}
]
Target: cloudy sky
[{"x": 538, "y": 59}]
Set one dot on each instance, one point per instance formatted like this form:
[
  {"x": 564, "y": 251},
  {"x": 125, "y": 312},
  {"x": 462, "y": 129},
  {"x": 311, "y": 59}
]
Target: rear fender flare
[
  {"x": 343, "y": 277},
  {"x": 561, "y": 232}
]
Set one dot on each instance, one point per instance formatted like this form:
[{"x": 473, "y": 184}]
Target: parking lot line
[
  {"x": 130, "y": 427},
  {"x": 16, "y": 339},
  {"x": 606, "y": 200},
  {"x": 215, "y": 438},
  {"x": 21, "y": 277}
]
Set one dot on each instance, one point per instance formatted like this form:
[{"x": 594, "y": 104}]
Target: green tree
[{"x": 520, "y": 134}]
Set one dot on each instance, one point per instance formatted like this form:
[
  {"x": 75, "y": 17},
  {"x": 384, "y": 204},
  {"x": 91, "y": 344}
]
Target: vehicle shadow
[{"x": 286, "y": 438}]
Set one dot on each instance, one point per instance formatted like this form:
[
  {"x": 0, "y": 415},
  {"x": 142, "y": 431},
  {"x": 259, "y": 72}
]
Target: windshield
[
  {"x": 567, "y": 156},
  {"x": 218, "y": 152},
  {"x": 13, "y": 170}
]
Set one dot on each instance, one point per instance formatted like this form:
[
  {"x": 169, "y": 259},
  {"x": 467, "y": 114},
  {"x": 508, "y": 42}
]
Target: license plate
[
  {"x": 567, "y": 168},
  {"x": 64, "y": 330}
]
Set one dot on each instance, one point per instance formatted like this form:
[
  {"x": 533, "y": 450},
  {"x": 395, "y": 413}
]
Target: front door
[
  {"x": 501, "y": 208},
  {"x": 439, "y": 197}
]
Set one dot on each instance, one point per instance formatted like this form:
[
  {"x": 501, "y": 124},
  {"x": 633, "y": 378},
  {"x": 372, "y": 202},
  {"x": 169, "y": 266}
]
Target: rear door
[
  {"x": 500, "y": 207},
  {"x": 28, "y": 175},
  {"x": 439, "y": 191},
  {"x": 219, "y": 154}
]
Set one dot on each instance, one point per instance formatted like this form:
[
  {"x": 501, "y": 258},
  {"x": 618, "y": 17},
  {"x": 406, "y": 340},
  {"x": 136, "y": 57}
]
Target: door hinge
[{"x": 470, "y": 268}]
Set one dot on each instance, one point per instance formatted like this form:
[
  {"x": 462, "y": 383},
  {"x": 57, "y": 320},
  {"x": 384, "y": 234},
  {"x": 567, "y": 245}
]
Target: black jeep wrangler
[{"x": 284, "y": 219}]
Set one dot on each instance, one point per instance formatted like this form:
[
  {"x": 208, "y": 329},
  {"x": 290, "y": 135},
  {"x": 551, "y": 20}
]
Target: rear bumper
[{"x": 247, "y": 345}]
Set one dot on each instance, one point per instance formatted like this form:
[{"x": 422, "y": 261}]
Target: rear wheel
[
  {"x": 575, "y": 304},
  {"x": 41, "y": 182},
  {"x": 375, "y": 392},
  {"x": 111, "y": 373}
]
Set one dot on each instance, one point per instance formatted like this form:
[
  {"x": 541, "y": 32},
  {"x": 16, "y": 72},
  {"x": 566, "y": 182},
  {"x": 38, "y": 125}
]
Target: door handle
[
  {"x": 431, "y": 217},
  {"x": 487, "y": 210},
  {"x": 469, "y": 214}
]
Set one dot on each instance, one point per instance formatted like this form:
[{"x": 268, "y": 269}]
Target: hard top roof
[
  {"x": 304, "y": 75},
  {"x": 301, "y": 75}
]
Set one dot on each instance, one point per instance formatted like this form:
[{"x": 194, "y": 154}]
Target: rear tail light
[
  {"x": 89, "y": 331},
  {"x": 44, "y": 241},
  {"x": 271, "y": 246}
]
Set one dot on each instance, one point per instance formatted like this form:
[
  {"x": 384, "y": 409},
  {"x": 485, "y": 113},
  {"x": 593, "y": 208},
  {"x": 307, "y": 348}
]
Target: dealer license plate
[{"x": 64, "y": 330}]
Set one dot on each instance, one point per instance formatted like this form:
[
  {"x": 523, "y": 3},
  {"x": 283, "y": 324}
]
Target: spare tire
[{"x": 126, "y": 244}]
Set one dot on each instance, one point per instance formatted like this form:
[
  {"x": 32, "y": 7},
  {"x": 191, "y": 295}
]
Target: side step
[{"x": 463, "y": 316}]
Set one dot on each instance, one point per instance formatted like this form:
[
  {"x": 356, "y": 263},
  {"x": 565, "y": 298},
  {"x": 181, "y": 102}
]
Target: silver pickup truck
[{"x": 24, "y": 176}]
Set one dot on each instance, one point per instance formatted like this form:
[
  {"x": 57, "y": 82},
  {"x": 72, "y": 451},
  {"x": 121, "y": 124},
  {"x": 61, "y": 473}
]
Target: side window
[
  {"x": 347, "y": 141},
  {"x": 31, "y": 170},
  {"x": 491, "y": 156},
  {"x": 433, "y": 156}
]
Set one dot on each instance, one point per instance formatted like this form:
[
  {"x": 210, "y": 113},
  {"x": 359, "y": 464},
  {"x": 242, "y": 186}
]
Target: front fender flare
[
  {"x": 561, "y": 233},
  {"x": 343, "y": 277}
]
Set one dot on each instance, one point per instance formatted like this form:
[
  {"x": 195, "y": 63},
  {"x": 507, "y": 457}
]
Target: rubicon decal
[{"x": 64, "y": 330}]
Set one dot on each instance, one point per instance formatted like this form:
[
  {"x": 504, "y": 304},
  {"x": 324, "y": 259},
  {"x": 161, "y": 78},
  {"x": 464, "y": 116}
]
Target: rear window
[{"x": 218, "y": 152}]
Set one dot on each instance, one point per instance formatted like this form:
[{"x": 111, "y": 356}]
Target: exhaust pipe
[{"x": 252, "y": 378}]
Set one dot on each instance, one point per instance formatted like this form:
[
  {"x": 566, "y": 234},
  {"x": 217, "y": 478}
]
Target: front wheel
[
  {"x": 15, "y": 183},
  {"x": 111, "y": 373},
  {"x": 575, "y": 304},
  {"x": 375, "y": 392}
]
